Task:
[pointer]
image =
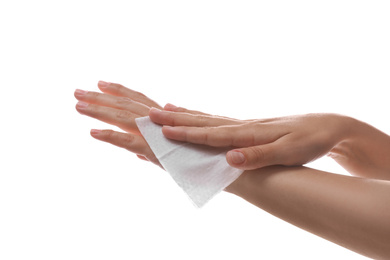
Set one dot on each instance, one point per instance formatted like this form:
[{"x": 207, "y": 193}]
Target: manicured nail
[
  {"x": 103, "y": 84},
  {"x": 236, "y": 157},
  {"x": 169, "y": 131},
  {"x": 81, "y": 104},
  {"x": 95, "y": 131},
  {"x": 155, "y": 109},
  {"x": 80, "y": 93},
  {"x": 170, "y": 107}
]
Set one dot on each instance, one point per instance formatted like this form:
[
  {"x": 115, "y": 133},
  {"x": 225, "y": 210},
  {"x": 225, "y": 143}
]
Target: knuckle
[
  {"x": 256, "y": 126},
  {"x": 170, "y": 119},
  {"x": 108, "y": 134},
  {"x": 123, "y": 101},
  {"x": 117, "y": 88},
  {"x": 206, "y": 138},
  {"x": 196, "y": 136},
  {"x": 123, "y": 114},
  {"x": 93, "y": 95},
  {"x": 128, "y": 140},
  {"x": 202, "y": 120},
  {"x": 93, "y": 109},
  {"x": 239, "y": 137},
  {"x": 256, "y": 154},
  {"x": 139, "y": 94},
  {"x": 222, "y": 137}
]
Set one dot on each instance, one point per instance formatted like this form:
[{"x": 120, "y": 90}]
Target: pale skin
[{"x": 352, "y": 211}]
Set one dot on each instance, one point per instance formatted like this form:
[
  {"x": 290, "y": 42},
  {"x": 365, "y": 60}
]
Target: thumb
[{"x": 250, "y": 158}]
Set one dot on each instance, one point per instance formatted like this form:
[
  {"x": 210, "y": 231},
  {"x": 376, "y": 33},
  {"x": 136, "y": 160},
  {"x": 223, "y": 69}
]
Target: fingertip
[
  {"x": 167, "y": 130},
  {"x": 103, "y": 84},
  {"x": 154, "y": 113},
  {"x": 95, "y": 132},
  {"x": 79, "y": 93},
  {"x": 174, "y": 133},
  {"x": 170, "y": 107},
  {"x": 81, "y": 107},
  {"x": 154, "y": 109},
  {"x": 236, "y": 158},
  {"x": 255, "y": 157}
]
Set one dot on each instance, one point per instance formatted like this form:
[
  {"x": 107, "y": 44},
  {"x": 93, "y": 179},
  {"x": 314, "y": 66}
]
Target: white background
[{"x": 64, "y": 195}]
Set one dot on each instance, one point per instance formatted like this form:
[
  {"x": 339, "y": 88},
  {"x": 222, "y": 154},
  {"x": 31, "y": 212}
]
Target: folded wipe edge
[{"x": 200, "y": 186}]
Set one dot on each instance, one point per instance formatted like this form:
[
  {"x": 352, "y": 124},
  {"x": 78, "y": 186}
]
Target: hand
[
  {"x": 118, "y": 106},
  {"x": 293, "y": 140}
]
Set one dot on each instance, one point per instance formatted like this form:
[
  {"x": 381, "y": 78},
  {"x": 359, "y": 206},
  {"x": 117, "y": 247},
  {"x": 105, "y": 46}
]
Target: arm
[
  {"x": 364, "y": 152},
  {"x": 350, "y": 211},
  {"x": 294, "y": 140}
]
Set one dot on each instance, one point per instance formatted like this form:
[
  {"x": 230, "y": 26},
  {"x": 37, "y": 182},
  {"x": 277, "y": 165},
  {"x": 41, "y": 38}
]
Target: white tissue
[{"x": 201, "y": 171}]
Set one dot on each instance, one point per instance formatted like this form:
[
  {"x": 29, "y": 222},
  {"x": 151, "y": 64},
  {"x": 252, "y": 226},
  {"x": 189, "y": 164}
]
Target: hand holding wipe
[{"x": 201, "y": 171}]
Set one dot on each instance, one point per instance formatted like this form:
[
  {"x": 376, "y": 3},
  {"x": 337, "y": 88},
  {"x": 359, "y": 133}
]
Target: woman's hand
[
  {"x": 293, "y": 140},
  {"x": 118, "y": 106}
]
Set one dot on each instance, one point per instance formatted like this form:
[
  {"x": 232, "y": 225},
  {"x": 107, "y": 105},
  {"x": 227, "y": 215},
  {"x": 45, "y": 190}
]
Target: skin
[
  {"x": 352, "y": 211},
  {"x": 290, "y": 141},
  {"x": 118, "y": 106}
]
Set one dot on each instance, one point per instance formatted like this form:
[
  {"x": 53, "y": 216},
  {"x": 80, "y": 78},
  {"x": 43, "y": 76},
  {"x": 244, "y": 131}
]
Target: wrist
[
  {"x": 349, "y": 152},
  {"x": 344, "y": 128}
]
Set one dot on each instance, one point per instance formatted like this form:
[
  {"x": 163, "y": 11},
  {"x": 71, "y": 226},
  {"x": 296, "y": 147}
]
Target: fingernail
[
  {"x": 95, "y": 131},
  {"x": 81, "y": 104},
  {"x": 80, "y": 92},
  {"x": 103, "y": 84},
  {"x": 236, "y": 157},
  {"x": 170, "y": 107},
  {"x": 169, "y": 131},
  {"x": 155, "y": 109}
]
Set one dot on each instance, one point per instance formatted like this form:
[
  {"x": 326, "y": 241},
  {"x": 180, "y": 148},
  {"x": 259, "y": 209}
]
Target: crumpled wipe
[{"x": 201, "y": 171}]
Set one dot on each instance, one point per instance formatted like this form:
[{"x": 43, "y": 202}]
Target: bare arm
[
  {"x": 350, "y": 211},
  {"x": 353, "y": 212},
  {"x": 364, "y": 152},
  {"x": 293, "y": 140}
]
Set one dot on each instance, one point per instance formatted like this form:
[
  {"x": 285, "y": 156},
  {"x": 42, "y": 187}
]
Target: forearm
[
  {"x": 352, "y": 212},
  {"x": 364, "y": 151}
]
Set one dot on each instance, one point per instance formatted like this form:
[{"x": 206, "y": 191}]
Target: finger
[
  {"x": 173, "y": 108},
  {"x": 255, "y": 157},
  {"x": 132, "y": 143},
  {"x": 123, "y": 103},
  {"x": 142, "y": 157},
  {"x": 250, "y": 158},
  {"x": 121, "y": 91},
  {"x": 121, "y": 118},
  {"x": 222, "y": 136},
  {"x": 184, "y": 119},
  {"x": 243, "y": 135}
]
